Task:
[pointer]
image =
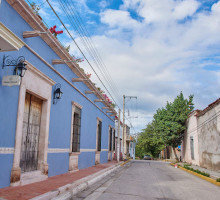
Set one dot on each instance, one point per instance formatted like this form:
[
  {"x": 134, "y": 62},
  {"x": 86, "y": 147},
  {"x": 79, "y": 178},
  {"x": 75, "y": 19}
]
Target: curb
[
  {"x": 199, "y": 175},
  {"x": 124, "y": 163},
  {"x": 67, "y": 191},
  {"x": 166, "y": 160}
]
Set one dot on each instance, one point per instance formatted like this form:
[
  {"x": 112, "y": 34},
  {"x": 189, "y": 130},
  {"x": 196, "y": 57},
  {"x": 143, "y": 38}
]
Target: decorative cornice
[
  {"x": 39, "y": 73},
  {"x": 77, "y": 105},
  {"x": 10, "y": 37}
]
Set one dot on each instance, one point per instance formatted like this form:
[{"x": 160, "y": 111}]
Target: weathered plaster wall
[
  {"x": 190, "y": 132},
  {"x": 209, "y": 139}
]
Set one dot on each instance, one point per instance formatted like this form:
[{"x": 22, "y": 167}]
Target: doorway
[{"x": 30, "y": 133}]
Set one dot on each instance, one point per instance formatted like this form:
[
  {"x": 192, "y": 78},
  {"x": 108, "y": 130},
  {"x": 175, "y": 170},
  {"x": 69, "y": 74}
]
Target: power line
[
  {"x": 69, "y": 10},
  {"x": 80, "y": 50},
  {"x": 85, "y": 31}
]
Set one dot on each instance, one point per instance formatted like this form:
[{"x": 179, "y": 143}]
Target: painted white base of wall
[{"x": 32, "y": 177}]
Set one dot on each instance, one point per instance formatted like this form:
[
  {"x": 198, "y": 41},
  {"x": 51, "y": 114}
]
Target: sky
[{"x": 152, "y": 49}]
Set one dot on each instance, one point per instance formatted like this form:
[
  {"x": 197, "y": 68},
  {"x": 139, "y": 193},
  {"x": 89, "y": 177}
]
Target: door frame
[
  {"x": 28, "y": 136},
  {"x": 39, "y": 85}
]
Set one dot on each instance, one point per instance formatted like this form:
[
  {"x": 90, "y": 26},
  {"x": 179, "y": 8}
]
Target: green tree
[
  {"x": 149, "y": 142},
  {"x": 171, "y": 120}
]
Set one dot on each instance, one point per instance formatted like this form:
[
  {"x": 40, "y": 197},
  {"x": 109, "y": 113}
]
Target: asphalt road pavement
[{"x": 150, "y": 180}]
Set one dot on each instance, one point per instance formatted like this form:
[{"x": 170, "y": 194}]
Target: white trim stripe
[
  {"x": 54, "y": 150},
  {"x": 91, "y": 150},
  {"x": 6, "y": 150},
  {"x": 9, "y": 150},
  {"x": 87, "y": 150}
]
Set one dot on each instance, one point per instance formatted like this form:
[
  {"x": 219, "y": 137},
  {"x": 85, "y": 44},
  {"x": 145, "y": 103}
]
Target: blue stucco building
[{"x": 41, "y": 133}]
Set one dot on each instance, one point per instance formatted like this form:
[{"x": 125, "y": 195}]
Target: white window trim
[
  {"x": 74, "y": 105},
  {"x": 109, "y": 128},
  {"x": 97, "y": 132}
]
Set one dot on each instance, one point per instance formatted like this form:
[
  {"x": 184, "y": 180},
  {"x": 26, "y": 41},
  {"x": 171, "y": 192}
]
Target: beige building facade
[
  {"x": 190, "y": 153},
  {"x": 201, "y": 144}
]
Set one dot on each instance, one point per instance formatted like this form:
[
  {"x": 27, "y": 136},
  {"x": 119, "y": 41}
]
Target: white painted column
[{"x": 16, "y": 170}]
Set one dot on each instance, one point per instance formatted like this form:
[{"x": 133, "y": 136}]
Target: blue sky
[{"x": 152, "y": 49}]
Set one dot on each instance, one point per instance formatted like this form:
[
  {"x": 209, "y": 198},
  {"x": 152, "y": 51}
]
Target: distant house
[
  {"x": 201, "y": 145},
  {"x": 42, "y": 133}
]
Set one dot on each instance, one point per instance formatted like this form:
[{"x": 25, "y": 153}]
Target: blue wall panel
[
  {"x": 86, "y": 159},
  {"x": 104, "y": 157},
  {"x": 6, "y": 161},
  {"x": 58, "y": 163}
]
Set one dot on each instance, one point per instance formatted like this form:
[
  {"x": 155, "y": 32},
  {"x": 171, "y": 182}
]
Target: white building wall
[
  {"x": 209, "y": 139},
  {"x": 190, "y": 132}
]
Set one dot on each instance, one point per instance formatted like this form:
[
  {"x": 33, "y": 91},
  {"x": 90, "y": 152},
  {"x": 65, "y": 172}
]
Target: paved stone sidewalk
[{"x": 36, "y": 189}]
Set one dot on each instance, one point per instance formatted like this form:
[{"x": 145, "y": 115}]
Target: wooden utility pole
[{"x": 118, "y": 143}]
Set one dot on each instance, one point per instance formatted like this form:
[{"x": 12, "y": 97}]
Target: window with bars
[
  {"x": 76, "y": 130},
  {"x": 110, "y": 139},
  {"x": 114, "y": 140},
  {"x": 99, "y": 129}
]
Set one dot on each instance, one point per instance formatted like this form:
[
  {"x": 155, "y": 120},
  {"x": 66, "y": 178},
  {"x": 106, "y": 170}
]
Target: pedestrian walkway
[
  {"x": 213, "y": 174},
  {"x": 36, "y": 189}
]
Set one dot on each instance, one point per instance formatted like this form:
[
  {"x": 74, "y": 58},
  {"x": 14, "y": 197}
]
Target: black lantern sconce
[
  {"x": 57, "y": 93},
  {"x": 19, "y": 64}
]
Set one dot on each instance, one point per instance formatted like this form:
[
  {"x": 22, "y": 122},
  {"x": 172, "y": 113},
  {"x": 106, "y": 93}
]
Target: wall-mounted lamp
[
  {"x": 19, "y": 64},
  {"x": 57, "y": 93}
]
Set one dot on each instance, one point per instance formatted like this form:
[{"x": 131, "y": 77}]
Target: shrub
[{"x": 218, "y": 179}]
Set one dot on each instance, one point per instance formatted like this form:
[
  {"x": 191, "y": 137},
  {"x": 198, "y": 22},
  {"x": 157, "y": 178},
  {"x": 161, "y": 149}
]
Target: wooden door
[{"x": 31, "y": 132}]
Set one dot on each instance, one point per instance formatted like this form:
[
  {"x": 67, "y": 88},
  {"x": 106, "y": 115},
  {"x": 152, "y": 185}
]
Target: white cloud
[
  {"x": 162, "y": 57},
  {"x": 118, "y": 18},
  {"x": 185, "y": 8},
  {"x": 130, "y": 4},
  {"x": 103, "y": 4},
  {"x": 157, "y": 57}
]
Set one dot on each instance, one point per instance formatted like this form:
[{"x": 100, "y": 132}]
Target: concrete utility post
[
  {"x": 118, "y": 143},
  {"x": 124, "y": 135},
  {"x": 123, "y": 130}
]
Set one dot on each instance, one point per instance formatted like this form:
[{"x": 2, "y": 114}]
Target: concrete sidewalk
[
  {"x": 213, "y": 174},
  {"x": 60, "y": 184}
]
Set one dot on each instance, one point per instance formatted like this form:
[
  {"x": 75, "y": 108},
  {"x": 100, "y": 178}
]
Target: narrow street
[{"x": 151, "y": 180}]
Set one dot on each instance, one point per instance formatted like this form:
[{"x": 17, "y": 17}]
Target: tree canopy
[{"x": 167, "y": 127}]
